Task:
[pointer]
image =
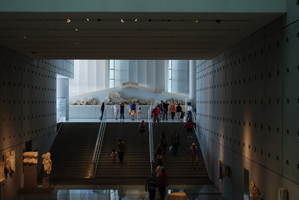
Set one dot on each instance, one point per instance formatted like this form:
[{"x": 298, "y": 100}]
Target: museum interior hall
[{"x": 227, "y": 72}]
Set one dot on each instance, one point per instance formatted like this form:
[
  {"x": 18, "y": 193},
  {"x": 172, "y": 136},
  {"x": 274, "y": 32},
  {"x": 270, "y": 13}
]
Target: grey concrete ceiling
[{"x": 104, "y": 36}]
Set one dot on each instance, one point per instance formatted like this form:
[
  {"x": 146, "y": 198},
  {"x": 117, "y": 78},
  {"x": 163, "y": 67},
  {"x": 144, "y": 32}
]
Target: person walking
[
  {"x": 133, "y": 110},
  {"x": 159, "y": 151},
  {"x": 121, "y": 149},
  {"x": 141, "y": 129},
  {"x": 172, "y": 110},
  {"x": 165, "y": 108},
  {"x": 175, "y": 143},
  {"x": 189, "y": 108},
  {"x": 179, "y": 111},
  {"x": 139, "y": 111},
  {"x": 122, "y": 111},
  {"x": 163, "y": 182},
  {"x": 161, "y": 109},
  {"x": 113, "y": 156},
  {"x": 189, "y": 126},
  {"x": 156, "y": 114},
  {"x": 116, "y": 110},
  {"x": 163, "y": 138},
  {"x": 159, "y": 169},
  {"x": 193, "y": 155},
  {"x": 150, "y": 185},
  {"x": 102, "y": 110}
]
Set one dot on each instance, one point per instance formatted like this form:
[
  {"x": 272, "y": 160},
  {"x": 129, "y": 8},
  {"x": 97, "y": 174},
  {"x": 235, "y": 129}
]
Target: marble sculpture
[
  {"x": 2, "y": 174},
  {"x": 7, "y": 162},
  {"x": 47, "y": 162},
  {"x": 254, "y": 192},
  {"x": 13, "y": 160},
  {"x": 30, "y": 157}
]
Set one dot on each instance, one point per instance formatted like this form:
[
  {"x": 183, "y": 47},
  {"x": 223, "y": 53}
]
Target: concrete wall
[
  {"x": 248, "y": 110},
  {"x": 27, "y": 109}
]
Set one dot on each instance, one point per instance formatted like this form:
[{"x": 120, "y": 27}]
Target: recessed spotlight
[
  {"x": 87, "y": 19},
  {"x": 99, "y": 20},
  {"x": 218, "y": 21},
  {"x": 136, "y": 20},
  {"x": 68, "y": 21},
  {"x": 77, "y": 43},
  {"x": 122, "y": 21},
  {"x": 43, "y": 20},
  {"x": 76, "y": 29},
  {"x": 24, "y": 37},
  {"x": 196, "y": 21},
  {"x": 149, "y": 20}
]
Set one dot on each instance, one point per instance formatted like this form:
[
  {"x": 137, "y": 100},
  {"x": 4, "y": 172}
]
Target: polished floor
[
  {"x": 125, "y": 192},
  {"x": 118, "y": 120}
]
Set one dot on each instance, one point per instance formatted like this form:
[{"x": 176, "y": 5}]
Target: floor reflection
[{"x": 125, "y": 192}]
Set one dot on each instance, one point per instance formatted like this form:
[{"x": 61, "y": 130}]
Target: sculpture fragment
[
  {"x": 2, "y": 174},
  {"x": 254, "y": 191},
  {"x": 13, "y": 160},
  {"x": 47, "y": 162},
  {"x": 7, "y": 162},
  {"x": 30, "y": 157},
  {"x": 115, "y": 95}
]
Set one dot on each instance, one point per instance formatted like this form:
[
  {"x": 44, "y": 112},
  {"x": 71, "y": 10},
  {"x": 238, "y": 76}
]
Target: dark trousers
[
  {"x": 175, "y": 148},
  {"x": 152, "y": 194},
  {"x": 122, "y": 115},
  {"x": 172, "y": 115},
  {"x": 162, "y": 190},
  {"x": 102, "y": 115},
  {"x": 121, "y": 156}
]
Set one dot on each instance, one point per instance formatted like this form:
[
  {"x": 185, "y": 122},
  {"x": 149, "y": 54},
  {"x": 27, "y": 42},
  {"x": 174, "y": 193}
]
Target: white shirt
[
  {"x": 189, "y": 108},
  {"x": 116, "y": 108},
  {"x": 138, "y": 108}
]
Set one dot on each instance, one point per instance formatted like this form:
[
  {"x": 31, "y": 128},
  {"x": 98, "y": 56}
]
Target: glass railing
[
  {"x": 151, "y": 139},
  {"x": 98, "y": 146}
]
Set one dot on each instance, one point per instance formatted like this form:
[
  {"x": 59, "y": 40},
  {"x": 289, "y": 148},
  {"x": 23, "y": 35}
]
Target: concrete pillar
[
  {"x": 192, "y": 82},
  {"x": 63, "y": 93}
]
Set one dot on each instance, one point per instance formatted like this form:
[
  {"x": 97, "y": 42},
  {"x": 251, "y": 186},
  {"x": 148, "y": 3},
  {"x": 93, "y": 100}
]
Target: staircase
[
  {"x": 72, "y": 151},
  {"x": 136, "y": 160},
  {"x": 179, "y": 167}
]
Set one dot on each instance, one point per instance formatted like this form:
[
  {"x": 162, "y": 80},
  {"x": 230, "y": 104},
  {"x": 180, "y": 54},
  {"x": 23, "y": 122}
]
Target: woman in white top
[
  {"x": 116, "y": 110},
  {"x": 138, "y": 110},
  {"x": 189, "y": 108}
]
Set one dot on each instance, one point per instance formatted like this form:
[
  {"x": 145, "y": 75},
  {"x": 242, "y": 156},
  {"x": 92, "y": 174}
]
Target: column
[{"x": 192, "y": 82}]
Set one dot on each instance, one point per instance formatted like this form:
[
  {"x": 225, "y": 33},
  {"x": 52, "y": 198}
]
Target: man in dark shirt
[
  {"x": 165, "y": 110},
  {"x": 121, "y": 149},
  {"x": 151, "y": 185},
  {"x": 163, "y": 182}
]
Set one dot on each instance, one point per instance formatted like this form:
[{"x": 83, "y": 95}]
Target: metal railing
[
  {"x": 98, "y": 146},
  {"x": 151, "y": 139}
]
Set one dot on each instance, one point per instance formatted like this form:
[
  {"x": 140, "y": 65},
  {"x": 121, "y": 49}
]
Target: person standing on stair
[
  {"x": 159, "y": 169},
  {"x": 116, "y": 110},
  {"x": 133, "y": 110},
  {"x": 121, "y": 149},
  {"x": 159, "y": 151},
  {"x": 163, "y": 182},
  {"x": 163, "y": 138},
  {"x": 151, "y": 185},
  {"x": 193, "y": 155},
  {"x": 155, "y": 114},
  {"x": 113, "y": 156},
  {"x": 189, "y": 126},
  {"x": 141, "y": 130},
  {"x": 179, "y": 111},
  {"x": 189, "y": 108},
  {"x": 122, "y": 111},
  {"x": 172, "y": 110},
  {"x": 139, "y": 111},
  {"x": 102, "y": 109},
  {"x": 175, "y": 139}
]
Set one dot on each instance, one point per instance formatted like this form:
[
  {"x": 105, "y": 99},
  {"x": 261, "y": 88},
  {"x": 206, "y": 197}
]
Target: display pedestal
[
  {"x": 30, "y": 182},
  {"x": 46, "y": 182},
  {"x": 177, "y": 196}
]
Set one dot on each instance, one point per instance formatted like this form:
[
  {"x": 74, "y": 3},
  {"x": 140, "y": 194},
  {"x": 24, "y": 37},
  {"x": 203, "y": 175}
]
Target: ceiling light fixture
[
  {"x": 149, "y": 20},
  {"x": 217, "y": 21},
  {"x": 87, "y": 19},
  {"x": 76, "y": 29},
  {"x": 43, "y": 20},
  {"x": 68, "y": 21},
  {"x": 122, "y": 21},
  {"x": 136, "y": 20},
  {"x": 196, "y": 21}
]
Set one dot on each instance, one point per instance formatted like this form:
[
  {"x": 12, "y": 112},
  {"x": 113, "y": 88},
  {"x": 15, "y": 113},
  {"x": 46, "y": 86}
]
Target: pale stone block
[{"x": 2, "y": 174}]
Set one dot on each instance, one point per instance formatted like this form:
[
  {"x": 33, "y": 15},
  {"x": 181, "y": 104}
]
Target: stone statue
[
  {"x": 254, "y": 192},
  {"x": 115, "y": 95},
  {"x": 30, "y": 157},
  {"x": 13, "y": 160},
  {"x": 130, "y": 83},
  {"x": 7, "y": 162},
  {"x": 47, "y": 162},
  {"x": 2, "y": 174}
]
